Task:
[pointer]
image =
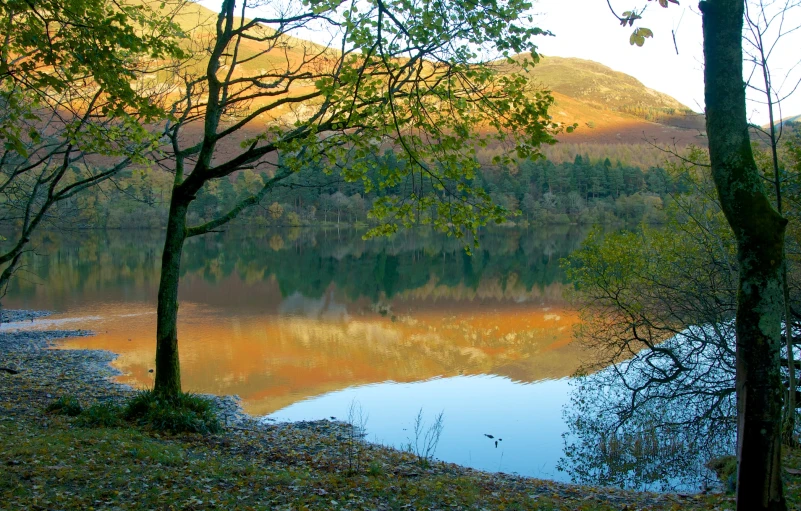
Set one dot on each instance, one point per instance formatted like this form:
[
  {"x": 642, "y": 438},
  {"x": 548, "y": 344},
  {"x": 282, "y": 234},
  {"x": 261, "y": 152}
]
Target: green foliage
[
  {"x": 85, "y": 41},
  {"x": 78, "y": 104},
  {"x": 725, "y": 468},
  {"x": 183, "y": 413},
  {"x": 630, "y": 17},
  {"x": 535, "y": 191},
  {"x": 101, "y": 415},
  {"x": 639, "y": 35},
  {"x": 420, "y": 77},
  {"x": 65, "y": 405},
  {"x": 376, "y": 469}
]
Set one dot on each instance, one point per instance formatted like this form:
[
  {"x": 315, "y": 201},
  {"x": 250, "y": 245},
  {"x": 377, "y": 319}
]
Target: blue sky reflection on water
[{"x": 528, "y": 417}]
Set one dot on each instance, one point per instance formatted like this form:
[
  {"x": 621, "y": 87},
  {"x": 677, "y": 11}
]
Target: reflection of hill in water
[
  {"x": 272, "y": 361},
  {"x": 322, "y": 311}
]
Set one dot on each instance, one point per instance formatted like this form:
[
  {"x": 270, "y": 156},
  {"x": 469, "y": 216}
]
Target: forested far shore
[{"x": 584, "y": 191}]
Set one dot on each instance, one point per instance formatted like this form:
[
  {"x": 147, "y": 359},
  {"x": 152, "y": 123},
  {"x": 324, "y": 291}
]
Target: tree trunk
[
  {"x": 8, "y": 272},
  {"x": 790, "y": 405},
  {"x": 788, "y": 428},
  {"x": 168, "y": 371},
  {"x": 759, "y": 231}
]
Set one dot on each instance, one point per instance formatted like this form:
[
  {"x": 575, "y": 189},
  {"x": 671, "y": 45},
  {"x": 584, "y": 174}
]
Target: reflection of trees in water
[
  {"x": 658, "y": 311},
  {"x": 627, "y": 429},
  {"x": 306, "y": 261}
]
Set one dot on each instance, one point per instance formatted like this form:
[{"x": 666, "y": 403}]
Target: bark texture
[
  {"x": 759, "y": 231},
  {"x": 168, "y": 372}
]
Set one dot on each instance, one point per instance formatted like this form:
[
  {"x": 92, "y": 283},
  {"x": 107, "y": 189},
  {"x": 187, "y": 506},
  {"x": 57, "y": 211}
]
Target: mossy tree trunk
[
  {"x": 759, "y": 231},
  {"x": 168, "y": 372}
]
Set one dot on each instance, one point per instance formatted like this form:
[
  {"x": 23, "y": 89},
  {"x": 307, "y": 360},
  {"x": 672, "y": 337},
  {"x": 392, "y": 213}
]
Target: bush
[
  {"x": 101, "y": 415},
  {"x": 293, "y": 219},
  {"x": 725, "y": 468},
  {"x": 65, "y": 405},
  {"x": 184, "y": 413}
]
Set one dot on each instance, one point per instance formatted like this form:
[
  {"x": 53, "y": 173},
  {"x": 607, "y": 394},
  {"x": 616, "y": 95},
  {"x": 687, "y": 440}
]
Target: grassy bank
[{"x": 51, "y": 463}]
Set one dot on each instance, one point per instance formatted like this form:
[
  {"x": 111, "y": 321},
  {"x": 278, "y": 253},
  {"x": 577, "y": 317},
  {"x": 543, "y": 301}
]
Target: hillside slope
[
  {"x": 610, "y": 107},
  {"x": 613, "y": 107}
]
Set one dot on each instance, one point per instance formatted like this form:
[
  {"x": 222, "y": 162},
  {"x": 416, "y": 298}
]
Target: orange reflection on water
[{"x": 274, "y": 359}]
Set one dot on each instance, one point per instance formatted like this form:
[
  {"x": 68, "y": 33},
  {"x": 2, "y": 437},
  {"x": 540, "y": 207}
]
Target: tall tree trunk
[
  {"x": 8, "y": 272},
  {"x": 788, "y": 428},
  {"x": 759, "y": 231},
  {"x": 789, "y": 406},
  {"x": 168, "y": 371}
]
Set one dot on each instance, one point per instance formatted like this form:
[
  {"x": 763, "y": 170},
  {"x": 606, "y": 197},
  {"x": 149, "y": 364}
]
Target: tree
[
  {"x": 764, "y": 33},
  {"x": 275, "y": 210},
  {"x": 759, "y": 233},
  {"x": 405, "y": 74},
  {"x": 340, "y": 202},
  {"x": 74, "y": 104},
  {"x": 326, "y": 205}
]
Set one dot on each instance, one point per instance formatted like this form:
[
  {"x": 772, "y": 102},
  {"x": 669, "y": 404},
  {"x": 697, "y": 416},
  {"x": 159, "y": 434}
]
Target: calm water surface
[{"x": 300, "y": 324}]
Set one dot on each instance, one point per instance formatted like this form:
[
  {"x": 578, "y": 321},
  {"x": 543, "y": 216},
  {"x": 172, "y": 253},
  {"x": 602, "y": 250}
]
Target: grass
[
  {"x": 134, "y": 457},
  {"x": 65, "y": 405},
  {"x": 62, "y": 463},
  {"x": 81, "y": 468},
  {"x": 184, "y": 413},
  {"x": 101, "y": 415}
]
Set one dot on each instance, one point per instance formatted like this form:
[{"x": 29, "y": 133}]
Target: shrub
[
  {"x": 375, "y": 469},
  {"x": 725, "y": 467},
  {"x": 65, "y": 405},
  {"x": 293, "y": 219},
  {"x": 184, "y": 413},
  {"x": 101, "y": 415},
  {"x": 425, "y": 441}
]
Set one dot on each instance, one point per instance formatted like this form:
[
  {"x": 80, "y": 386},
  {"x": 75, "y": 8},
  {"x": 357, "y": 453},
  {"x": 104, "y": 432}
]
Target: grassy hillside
[
  {"x": 614, "y": 108},
  {"x": 602, "y": 87},
  {"x": 610, "y": 107}
]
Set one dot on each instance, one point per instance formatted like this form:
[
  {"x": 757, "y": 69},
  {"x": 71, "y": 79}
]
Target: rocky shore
[{"x": 19, "y": 315}]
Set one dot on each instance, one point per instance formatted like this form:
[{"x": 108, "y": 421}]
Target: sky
[{"x": 587, "y": 29}]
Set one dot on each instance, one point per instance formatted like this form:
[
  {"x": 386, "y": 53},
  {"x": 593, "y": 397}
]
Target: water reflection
[
  {"x": 300, "y": 324},
  {"x": 521, "y": 416},
  {"x": 297, "y": 322}
]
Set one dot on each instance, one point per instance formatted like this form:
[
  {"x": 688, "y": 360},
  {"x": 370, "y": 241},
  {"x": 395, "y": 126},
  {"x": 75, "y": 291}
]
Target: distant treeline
[{"x": 584, "y": 191}]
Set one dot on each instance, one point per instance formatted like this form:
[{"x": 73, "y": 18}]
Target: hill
[
  {"x": 610, "y": 107},
  {"x": 787, "y": 120}
]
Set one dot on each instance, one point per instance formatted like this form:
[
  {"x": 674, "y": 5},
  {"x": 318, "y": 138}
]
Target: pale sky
[{"x": 587, "y": 29}]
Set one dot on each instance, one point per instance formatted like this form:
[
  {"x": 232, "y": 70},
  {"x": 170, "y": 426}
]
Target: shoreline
[
  {"x": 94, "y": 367},
  {"x": 45, "y": 374}
]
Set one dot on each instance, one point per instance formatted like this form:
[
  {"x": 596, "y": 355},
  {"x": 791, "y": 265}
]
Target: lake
[{"x": 304, "y": 324}]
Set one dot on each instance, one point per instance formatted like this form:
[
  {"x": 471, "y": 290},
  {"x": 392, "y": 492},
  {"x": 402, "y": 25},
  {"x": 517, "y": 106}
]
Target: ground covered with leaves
[{"x": 51, "y": 460}]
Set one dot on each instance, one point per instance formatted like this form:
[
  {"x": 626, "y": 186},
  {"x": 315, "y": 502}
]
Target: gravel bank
[{"x": 19, "y": 315}]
